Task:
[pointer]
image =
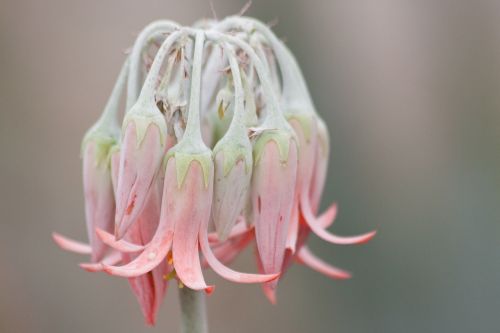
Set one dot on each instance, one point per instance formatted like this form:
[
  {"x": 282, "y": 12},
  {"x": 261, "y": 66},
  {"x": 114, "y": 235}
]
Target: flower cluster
[{"x": 220, "y": 145}]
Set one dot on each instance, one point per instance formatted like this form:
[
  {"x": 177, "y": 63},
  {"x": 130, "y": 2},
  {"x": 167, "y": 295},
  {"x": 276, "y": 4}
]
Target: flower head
[{"x": 219, "y": 149}]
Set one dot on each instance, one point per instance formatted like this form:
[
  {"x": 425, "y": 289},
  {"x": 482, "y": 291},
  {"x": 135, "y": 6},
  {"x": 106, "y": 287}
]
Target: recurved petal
[
  {"x": 318, "y": 228},
  {"x": 112, "y": 258},
  {"x": 239, "y": 229},
  {"x": 306, "y": 257},
  {"x": 121, "y": 245},
  {"x": 225, "y": 271},
  {"x": 227, "y": 251},
  {"x": 70, "y": 244}
]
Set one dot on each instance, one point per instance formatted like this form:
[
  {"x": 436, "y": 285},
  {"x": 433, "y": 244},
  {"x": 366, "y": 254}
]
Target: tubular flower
[{"x": 220, "y": 148}]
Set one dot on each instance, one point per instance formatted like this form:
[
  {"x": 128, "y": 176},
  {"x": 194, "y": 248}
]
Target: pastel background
[{"x": 411, "y": 93}]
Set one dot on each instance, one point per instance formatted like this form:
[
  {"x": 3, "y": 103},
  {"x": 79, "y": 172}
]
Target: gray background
[{"x": 410, "y": 91}]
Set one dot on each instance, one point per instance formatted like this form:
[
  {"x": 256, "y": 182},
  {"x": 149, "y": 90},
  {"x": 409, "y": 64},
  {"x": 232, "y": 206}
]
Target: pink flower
[
  {"x": 98, "y": 190},
  {"x": 273, "y": 187},
  {"x": 142, "y": 150},
  {"x": 198, "y": 173}
]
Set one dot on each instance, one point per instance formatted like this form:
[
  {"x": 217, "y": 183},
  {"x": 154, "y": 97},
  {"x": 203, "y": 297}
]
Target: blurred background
[{"x": 410, "y": 91}]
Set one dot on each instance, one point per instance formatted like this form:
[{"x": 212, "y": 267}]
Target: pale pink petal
[
  {"x": 99, "y": 197},
  {"x": 293, "y": 229},
  {"x": 305, "y": 257},
  {"x": 189, "y": 207},
  {"x": 151, "y": 257},
  {"x": 316, "y": 227},
  {"x": 273, "y": 188},
  {"x": 230, "y": 192},
  {"x": 143, "y": 289},
  {"x": 225, "y": 271},
  {"x": 138, "y": 168},
  {"x": 111, "y": 259},
  {"x": 226, "y": 252},
  {"x": 269, "y": 288},
  {"x": 320, "y": 169},
  {"x": 239, "y": 229},
  {"x": 71, "y": 245},
  {"x": 307, "y": 152},
  {"x": 327, "y": 218},
  {"x": 161, "y": 242},
  {"x": 120, "y": 245}
]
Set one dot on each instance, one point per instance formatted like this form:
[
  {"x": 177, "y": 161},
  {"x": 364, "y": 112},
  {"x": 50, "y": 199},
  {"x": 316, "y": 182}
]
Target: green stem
[
  {"x": 193, "y": 122},
  {"x": 193, "y": 311},
  {"x": 135, "y": 56}
]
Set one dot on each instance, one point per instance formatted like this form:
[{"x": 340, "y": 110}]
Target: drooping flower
[{"x": 220, "y": 148}]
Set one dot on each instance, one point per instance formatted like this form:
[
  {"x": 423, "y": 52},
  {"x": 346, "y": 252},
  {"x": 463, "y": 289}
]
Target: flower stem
[{"x": 194, "y": 311}]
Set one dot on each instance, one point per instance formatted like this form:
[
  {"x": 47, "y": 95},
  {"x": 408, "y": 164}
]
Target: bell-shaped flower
[
  {"x": 98, "y": 191},
  {"x": 273, "y": 189},
  {"x": 98, "y": 188},
  {"x": 143, "y": 147}
]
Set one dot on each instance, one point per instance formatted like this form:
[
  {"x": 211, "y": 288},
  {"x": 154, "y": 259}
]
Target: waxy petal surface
[
  {"x": 139, "y": 164},
  {"x": 306, "y": 257},
  {"x": 189, "y": 208},
  {"x": 273, "y": 187},
  {"x": 99, "y": 198}
]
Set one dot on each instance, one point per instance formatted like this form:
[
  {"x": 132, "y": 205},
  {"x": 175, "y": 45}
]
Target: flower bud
[
  {"x": 273, "y": 188},
  {"x": 233, "y": 164},
  {"x": 142, "y": 150},
  {"x": 98, "y": 189}
]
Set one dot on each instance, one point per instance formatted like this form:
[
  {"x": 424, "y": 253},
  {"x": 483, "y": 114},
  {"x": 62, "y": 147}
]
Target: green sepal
[
  {"x": 144, "y": 116},
  {"x": 104, "y": 140},
  {"x": 234, "y": 148},
  {"x": 306, "y": 122},
  {"x": 281, "y": 137},
  {"x": 183, "y": 161}
]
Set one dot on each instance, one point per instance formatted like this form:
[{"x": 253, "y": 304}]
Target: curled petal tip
[
  {"x": 91, "y": 267},
  {"x": 120, "y": 245},
  {"x": 328, "y": 217},
  {"x": 119, "y": 271},
  {"x": 225, "y": 271},
  {"x": 317, "y": 226},
  {"x": 367, "y": 237},
  {"x": 111, "y": 259},
  {"x": 306, "y": 257},
  {"x": 71, "y": 245},
  {"x": 270, "y": 293},
  {"x": 209, "y": 290}
]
